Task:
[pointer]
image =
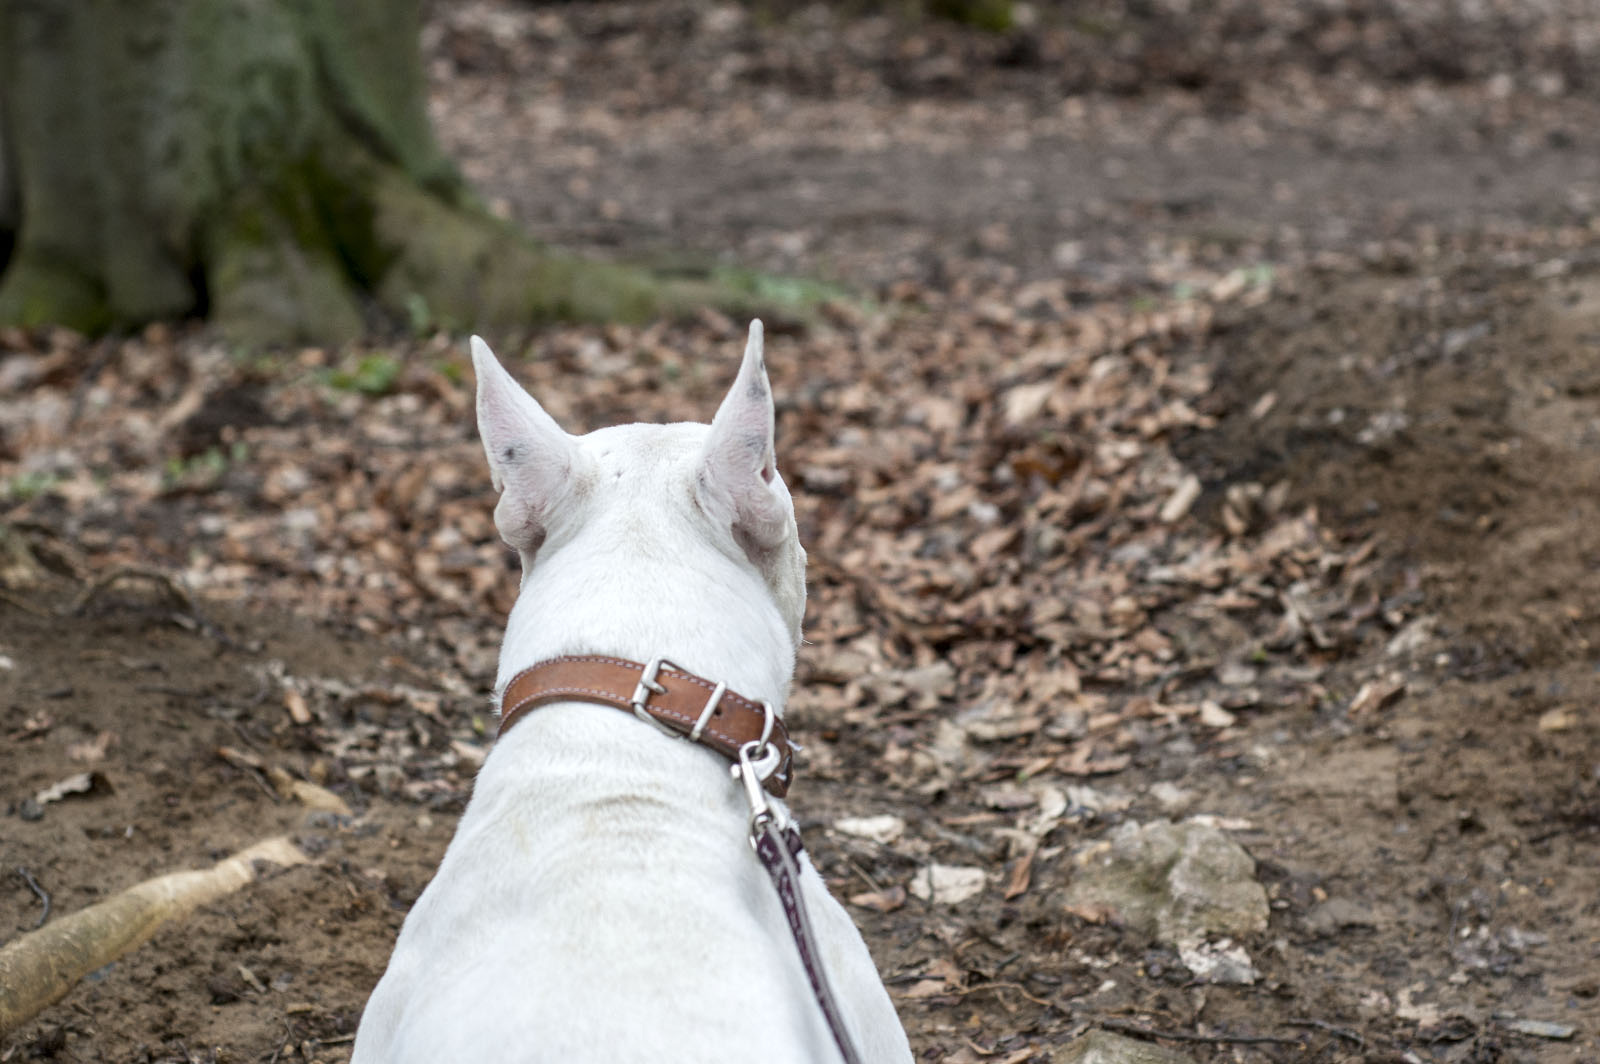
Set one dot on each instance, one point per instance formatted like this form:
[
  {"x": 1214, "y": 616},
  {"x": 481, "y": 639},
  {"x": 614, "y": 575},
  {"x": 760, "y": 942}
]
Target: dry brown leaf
[
  {"x": 1181, "y": 500},
  {"x": 90, "y": 751},
  {"x": 427, "y": 705},
  {"x": 1557, "y": 720},
  {"x": 1001, "y": 728},
  {"x": 1091, "y": 914},
  {"x": 242, "y": 759},
  {"x": 1082, "y": 762},
  {"x": 923, "y": 988},
  {"x": 1025, "y": 402},
  {"x": 986, "y": 545},
  {"x": 295, "y": 703},
  {"x": 306, "y": 793},
  {"x": 1021, "y": 1055},
  {"x": 1375, "y": 695},
  {"x": 35, "y": 725},
  {"x": 1018, "y": 878},
  {"x": 882, "y": 901}
]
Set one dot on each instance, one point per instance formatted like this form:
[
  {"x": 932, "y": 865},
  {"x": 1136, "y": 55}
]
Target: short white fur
[{"x": 600, "y": 901}]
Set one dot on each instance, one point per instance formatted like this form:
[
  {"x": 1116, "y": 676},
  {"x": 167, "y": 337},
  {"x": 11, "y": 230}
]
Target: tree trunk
[{"x": 268, "y": 163}]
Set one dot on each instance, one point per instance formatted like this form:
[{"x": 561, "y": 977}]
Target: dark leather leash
[
  {"x": 778, "y": 846},
  {"x": 745, "y": 731}
]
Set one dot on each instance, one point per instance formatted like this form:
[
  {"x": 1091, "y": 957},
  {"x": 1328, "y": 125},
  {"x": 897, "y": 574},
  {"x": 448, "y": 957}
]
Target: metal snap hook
[{"x": 752, "y": 772}]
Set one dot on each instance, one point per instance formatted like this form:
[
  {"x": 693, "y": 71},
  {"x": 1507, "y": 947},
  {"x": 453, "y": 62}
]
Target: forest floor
[{"x": 1221, "y": 440}]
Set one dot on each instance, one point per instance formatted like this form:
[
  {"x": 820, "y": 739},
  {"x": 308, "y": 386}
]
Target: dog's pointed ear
[
  {"x": 738, "y": 467},
  {"x": 531, "y": 460}
]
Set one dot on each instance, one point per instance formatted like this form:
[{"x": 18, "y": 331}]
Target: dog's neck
[
  {"x": 699, "y": 610},
  {"x": 649, "y": 541}
]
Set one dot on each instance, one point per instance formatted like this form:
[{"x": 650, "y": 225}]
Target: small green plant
[
  {"x": 203, "y": 468},
  {"x": 373, "y": 375},
  {"x": 451, "y": 370},
  {"x": 25, "y": 486},
  {"x": 996, "y": 16},
  {"x": 418, "y": 314}
]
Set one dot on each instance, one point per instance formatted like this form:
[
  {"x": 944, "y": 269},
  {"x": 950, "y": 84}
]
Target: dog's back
[{"x": 600, "y": 901}]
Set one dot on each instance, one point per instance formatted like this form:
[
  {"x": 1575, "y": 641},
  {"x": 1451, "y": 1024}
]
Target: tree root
[
  {"x": 19, "y": 567},
  {"x": 179, "y": 597}
]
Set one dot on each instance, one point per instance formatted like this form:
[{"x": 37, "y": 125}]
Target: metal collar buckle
[{"x": 650, "y": 684}]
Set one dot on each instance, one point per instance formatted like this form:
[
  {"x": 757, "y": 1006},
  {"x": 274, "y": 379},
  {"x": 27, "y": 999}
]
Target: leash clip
[{"x": 753, "y": 771}]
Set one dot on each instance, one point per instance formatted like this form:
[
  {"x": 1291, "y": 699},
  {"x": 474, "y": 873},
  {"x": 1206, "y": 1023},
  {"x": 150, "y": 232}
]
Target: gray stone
[
  {"x": 1560, "y": 1032},
  {"x": 1103, "y": 1047},
  {"x": 1179, "y": 882},
  {"x": 1221, "y": 963}
]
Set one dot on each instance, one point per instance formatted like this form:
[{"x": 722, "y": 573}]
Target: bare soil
[{"x": 1354, "y": 289}]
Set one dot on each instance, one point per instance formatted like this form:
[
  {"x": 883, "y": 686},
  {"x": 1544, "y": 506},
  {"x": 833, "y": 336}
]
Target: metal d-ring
[{"x": 761, "y": 756}]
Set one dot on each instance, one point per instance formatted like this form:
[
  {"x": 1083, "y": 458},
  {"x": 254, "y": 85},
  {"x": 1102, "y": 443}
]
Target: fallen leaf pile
[
  {"x": 1118, "y": 46},
  {"x": 1012, "y": 576},
  {"x": 1139, "y": 280}
]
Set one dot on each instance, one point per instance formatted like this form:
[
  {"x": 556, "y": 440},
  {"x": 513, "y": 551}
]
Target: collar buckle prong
[{"x": 648, "y": 685}]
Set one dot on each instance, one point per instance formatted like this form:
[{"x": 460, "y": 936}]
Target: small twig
[
  {"x": 288, "y": 1038},
  {"x": 44, "y": 896},
  {"x": 252, "y": 772},
  {"x": 862, "y": 872},
  {"x": 1018, "y": 987},
  {"x": 171, "y": 690},
  {"x": 1338, "y": 1032},
  {"x": 190, "y": 620},
  {"x": 23, "y": 605},
  {"x": 261, "y": 781},
  {"x": 1150, "y": 1034},
  {"x": 263, "y": 689}
]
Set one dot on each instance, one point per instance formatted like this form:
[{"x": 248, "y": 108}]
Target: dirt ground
[{"x": 1342, "y": 270}]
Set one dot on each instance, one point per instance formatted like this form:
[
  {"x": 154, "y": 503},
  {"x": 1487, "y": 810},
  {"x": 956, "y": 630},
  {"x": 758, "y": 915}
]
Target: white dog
[{"x": 600, "y": 901}]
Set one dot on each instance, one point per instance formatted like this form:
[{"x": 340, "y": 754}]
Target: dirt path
[{"x": 1363, "y": 310}]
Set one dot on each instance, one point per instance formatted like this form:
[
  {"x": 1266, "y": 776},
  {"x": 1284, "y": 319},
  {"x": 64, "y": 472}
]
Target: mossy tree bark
[{"x": 270, "y": 163}]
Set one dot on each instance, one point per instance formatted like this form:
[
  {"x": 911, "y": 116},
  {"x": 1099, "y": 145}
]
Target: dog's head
[{"x": 643, "y": 491}]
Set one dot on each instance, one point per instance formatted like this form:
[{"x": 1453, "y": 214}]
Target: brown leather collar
[{"x": 682, "y": 703}]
